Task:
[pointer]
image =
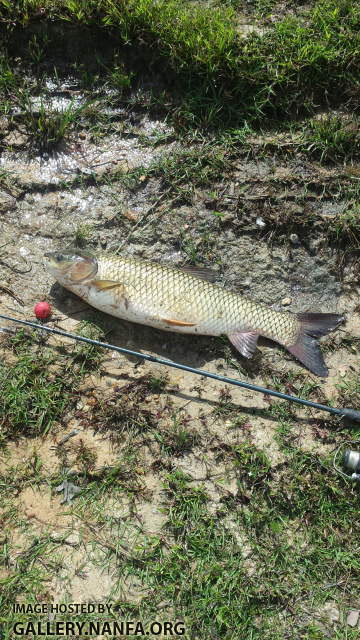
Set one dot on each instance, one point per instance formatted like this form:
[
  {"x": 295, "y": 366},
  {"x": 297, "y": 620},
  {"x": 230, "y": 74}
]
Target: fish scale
[
  {"x": 166, "y": 293},
  {"x": 185, "y": 301}
]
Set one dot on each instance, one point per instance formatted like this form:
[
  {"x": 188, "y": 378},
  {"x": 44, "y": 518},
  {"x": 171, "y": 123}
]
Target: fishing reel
[{"x": 350, "y": 460}]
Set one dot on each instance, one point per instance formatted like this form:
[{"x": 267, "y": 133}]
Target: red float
[{"x": 42, "y": 310}]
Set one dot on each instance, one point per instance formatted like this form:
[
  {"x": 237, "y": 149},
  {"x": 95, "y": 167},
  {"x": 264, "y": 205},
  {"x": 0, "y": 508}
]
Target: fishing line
[{"x": 349, "y": 414}]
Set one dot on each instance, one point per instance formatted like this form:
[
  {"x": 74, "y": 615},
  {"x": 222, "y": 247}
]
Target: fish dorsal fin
[
  {"x": 244, "y": 342},
  {"x": 104, "y": 285},
  {"x": 203, "y": 273}
]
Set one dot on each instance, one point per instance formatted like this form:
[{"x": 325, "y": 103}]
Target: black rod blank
[{"x": 350, "y": 414}]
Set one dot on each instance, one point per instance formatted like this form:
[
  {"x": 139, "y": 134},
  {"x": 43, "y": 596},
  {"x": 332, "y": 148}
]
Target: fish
[{"x": 186, "y": 300}]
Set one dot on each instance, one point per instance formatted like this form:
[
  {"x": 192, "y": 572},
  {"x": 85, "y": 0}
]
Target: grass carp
[{"x": 185, "y": 300}]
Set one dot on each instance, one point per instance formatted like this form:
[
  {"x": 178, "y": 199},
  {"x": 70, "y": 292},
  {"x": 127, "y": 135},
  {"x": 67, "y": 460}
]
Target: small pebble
[
  {"x": 155, "y": 396},
  {"x": 294, "y": 238},
  {"x": 285, "y": 302},
  {"x": 343, "y": 370},
  {"x": 82, "y": 135},
  {"x": 260, "y": 222},
  {"x": 142, "y": 178},
  {"x": 103, "y": 241},
  {"x": 79, "y": 406}
]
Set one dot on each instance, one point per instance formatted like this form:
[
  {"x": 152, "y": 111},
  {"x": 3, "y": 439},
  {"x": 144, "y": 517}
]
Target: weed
[
  {"x": 88, "y": 79},
  {"x": 177, "y": 437},
  {"x": 117, "y": 77},
  {"x": 83, "y": 232},
  {"x": 333, "y": 138},
  {"x": 349, "y": 390},
  {"x": 344, "y": 229},
  {"x": 85, "y": 456},
  {"x": 47, "y": 123},
  {"x": 156, "y": 384},
  {"x": 181, "y": 171},
  {"x": 36, "y": 51},
  {"x": 188, "y": 246}
]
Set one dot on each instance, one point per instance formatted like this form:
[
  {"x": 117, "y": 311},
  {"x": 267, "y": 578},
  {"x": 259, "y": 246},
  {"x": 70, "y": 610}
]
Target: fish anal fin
[
  {"x": 244, "y": 342},
  {"x": 104, "y": 285},
  {"x": 178, "y": 323},
  {"x": 203, "y": 273}
]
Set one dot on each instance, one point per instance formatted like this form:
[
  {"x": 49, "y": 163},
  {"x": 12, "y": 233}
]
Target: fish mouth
[
  {"x": 76, "y": 266},
  {"x": 47, "y": 264}
]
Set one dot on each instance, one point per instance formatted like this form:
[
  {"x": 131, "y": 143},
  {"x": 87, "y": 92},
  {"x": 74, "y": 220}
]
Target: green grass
[
  {"x": 223, "y": 77},
  {"x": 207, "y": 575},
  {"x": 182, "y": 170},
  {"x": 46, "y": 123},
  {"x": 296, "y": 522},
  {"x": 83, "y": 232},
  {"x": 280, "y": 545},
  {"x": 37, "y": 383},
  {"x": 333, "y": 138},
  {"x": 349, "y": 389}
]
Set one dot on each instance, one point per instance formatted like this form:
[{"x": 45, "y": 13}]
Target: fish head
[{"x": 71, "y": 266}]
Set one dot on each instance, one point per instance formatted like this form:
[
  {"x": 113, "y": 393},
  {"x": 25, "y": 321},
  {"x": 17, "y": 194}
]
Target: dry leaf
[{"x": 132, "y": 215}]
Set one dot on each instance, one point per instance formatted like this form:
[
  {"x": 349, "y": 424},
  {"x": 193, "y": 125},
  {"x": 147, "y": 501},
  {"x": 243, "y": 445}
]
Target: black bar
[{"x": 350, "y": 414}]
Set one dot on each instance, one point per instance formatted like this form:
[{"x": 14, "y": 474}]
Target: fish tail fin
[{"x": 307, "y": 349}]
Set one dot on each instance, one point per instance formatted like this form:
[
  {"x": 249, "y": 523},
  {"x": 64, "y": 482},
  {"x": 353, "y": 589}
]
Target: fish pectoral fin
[
  {"x": 203, "y": 273},
  {"x": 178, "y": 323},
  {"x": 103, "y": 285},
  {"x": 244, "y": 342}
]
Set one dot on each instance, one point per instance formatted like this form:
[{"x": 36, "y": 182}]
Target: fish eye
[{"x": 59, "y": 257}]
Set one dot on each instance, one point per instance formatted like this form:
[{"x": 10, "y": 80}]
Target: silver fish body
[{"x": 185, "y": 301}]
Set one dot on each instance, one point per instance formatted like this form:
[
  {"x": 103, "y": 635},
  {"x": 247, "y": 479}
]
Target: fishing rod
[{"x": 349, "y": 414}]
